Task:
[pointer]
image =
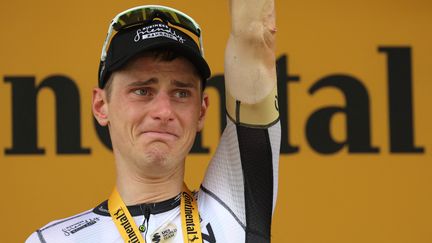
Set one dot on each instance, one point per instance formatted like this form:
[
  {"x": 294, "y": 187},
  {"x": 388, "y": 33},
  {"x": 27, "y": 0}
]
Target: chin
[{"x": 157, "y": 154}]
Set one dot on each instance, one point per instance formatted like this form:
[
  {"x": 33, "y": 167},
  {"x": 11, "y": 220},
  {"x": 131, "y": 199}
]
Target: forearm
[{"x": 250, "y": 72}]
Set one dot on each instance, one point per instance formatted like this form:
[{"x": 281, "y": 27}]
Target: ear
[
  {"x": 203, "y": 111},
  {"x": 100, "y": 106}
]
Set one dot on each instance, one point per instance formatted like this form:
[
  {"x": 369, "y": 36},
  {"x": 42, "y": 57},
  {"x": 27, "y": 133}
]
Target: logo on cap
[{"x": 157, "y": 30}]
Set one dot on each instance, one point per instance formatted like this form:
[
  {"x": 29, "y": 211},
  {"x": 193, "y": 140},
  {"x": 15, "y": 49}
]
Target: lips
[{"x": 160, "y": 135}]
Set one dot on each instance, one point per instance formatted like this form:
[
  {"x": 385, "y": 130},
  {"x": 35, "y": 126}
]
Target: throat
[
  {"x": 135, "y": 192},
  {"x": 139, "y": 184}
]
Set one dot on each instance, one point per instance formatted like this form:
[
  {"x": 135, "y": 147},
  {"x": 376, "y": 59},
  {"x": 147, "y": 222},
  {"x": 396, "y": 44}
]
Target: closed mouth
[{"x": 161, "y": 134}]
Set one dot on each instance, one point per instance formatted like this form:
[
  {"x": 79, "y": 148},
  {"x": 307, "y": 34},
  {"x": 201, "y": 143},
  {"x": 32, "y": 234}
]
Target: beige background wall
[{"x": 339, "y": 197}]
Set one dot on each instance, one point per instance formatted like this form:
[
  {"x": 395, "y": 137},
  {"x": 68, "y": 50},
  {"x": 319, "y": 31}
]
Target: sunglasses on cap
[{"x": 146, "y": 14}]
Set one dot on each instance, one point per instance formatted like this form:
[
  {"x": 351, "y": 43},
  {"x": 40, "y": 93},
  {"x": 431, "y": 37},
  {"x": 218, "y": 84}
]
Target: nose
[{"x": 162, "y": 109}]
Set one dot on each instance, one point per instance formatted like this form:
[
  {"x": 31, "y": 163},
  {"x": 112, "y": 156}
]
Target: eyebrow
[
  {"x": 183, "y": 84},
  {"x": 143, "y": 83},
  {"x": 176, "y": 83}
]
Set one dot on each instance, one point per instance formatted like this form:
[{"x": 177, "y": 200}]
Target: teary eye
[
  {"x": 182, "y": 94},
  {"x": 142, "y": 92}
]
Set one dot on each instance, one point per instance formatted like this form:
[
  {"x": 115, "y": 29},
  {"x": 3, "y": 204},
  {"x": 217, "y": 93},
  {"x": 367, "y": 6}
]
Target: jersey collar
[{"x": 137, "y": 210}]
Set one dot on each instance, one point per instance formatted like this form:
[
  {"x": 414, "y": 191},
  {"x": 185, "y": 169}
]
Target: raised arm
[
  {"x": 243, "y": 173},
  {"x": 250, "y": 71}
]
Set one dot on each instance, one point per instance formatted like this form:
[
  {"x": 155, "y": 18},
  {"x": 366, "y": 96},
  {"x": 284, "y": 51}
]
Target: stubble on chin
[{"x": 156, "y": 154}]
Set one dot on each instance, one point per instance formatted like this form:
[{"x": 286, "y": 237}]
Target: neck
[{"x": 137, "y": 188}]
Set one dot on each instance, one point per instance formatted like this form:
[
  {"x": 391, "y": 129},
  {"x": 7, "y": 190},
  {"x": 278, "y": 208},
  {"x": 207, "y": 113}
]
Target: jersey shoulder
[{"x": 82, "y": 227}]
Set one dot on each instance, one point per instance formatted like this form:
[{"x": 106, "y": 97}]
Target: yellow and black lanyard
[{"x": 130, "y": 232}]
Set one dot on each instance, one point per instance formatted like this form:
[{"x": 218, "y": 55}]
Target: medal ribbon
[{"x": 130, "y": 232}]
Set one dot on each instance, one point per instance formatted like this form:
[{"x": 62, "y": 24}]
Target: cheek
[
  {"x": 190, "y": 118},
  {"x": 125, "y": 108},
  {"x": 125, "y": 116},
  {"x": 187, "y": 140},
  {"x": 189, "y": 123}
]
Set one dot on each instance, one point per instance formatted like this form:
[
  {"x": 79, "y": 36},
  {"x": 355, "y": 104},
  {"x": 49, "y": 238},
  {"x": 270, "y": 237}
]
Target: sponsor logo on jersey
[
  {"x": 102, "y": 209},
  {"x": 164, "y": 234},
  {"x": 72, "y": 229},
  {"x": 156, "y": 238}
]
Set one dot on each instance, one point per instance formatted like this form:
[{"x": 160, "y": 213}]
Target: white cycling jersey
[{"x": 236, "y": 199}]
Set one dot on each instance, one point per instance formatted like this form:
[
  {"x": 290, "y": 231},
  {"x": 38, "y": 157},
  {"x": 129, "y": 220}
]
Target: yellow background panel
[{"x": 341, "y": 197}]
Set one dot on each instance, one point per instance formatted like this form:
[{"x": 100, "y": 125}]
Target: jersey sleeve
[
  {"x": 242, "y": 175},
  {"x": 33, "y": 238}
]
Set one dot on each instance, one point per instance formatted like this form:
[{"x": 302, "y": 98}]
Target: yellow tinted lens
[
  {"x": 138, "y": 16},
  {"x": 145, "y": 15}
]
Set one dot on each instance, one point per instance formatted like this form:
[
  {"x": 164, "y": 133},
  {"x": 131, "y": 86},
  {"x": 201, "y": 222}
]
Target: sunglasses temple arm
[
  {"x": 201, "y": 44},
  {"x": 105, "y": 45}
]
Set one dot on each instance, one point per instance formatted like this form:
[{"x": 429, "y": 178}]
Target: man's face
[{"x": 154, "y": 111}]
